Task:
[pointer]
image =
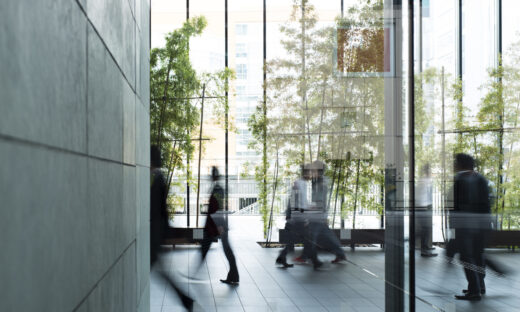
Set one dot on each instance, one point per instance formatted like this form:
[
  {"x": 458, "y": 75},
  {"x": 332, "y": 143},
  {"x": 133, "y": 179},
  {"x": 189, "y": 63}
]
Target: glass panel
[
  {"x": 333, "y": 152},
  {"x": 510, "y": 217},
  {"x": 478, "y": 26},
  {"x": 246, "y": 59},
  {"x": 477, "y": 117}
]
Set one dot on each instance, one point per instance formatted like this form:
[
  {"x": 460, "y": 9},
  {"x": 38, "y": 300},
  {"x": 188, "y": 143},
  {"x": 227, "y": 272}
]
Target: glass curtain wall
[
  {"x": 340, "y": 77},
  {"x": 469, "y": 109},
  {"x": 511, "y": 65},
  {"x": 245, "y": 39}
]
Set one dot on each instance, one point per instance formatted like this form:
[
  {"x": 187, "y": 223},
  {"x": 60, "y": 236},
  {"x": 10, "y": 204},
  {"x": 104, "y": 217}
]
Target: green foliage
[
  {"x": 496, "y": 149},
  {"x": 217, "y": 85},
  {"x": 295, "y": 121},
  {"x": 424, "y": 117},
  {"x": 463, "y": 141},
  {"x": 174, "y": 114},
  {"x": 172, "y": 81}
]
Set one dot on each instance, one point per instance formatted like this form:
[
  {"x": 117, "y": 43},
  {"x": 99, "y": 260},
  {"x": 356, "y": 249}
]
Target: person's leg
[
  {"x": 293, "y": 230},
  {"x": 289, "y": 247},
  {"x": 314, "y": 232},
  {"x": 305, "y": 232},
  {"x": 468, "y": 257},
  {"x": 186, "y": 300},
  {"x": 429, "y": 228},
  {"x": 480, "y": 260},
  {"x": 301, "y": 234},
  {"x": 205, "y": 245},
  {"x": 423, "y": 230},
  {"x": 283, "y": 254},
  {"x": 282, "y": 257},
  {"x": 159, "y": 266},
  {"x": 335, "y": 245},
  {"x": 420, "y": 228},
  {"x": 233, "y": 270}
]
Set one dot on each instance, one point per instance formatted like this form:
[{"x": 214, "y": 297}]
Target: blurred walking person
[
  {"x": 295, "y": 224},
  {"x": 216, "y": 226},
  {"x": 424, "y": 215},
  {"x": 159, "y": 223},
  {"x": 472, "y": 223},
  {"x": 320, "y": 233}
]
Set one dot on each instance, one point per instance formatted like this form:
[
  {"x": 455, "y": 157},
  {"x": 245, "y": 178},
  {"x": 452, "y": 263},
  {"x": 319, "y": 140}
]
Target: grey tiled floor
[{"x": 355, "y": 286}]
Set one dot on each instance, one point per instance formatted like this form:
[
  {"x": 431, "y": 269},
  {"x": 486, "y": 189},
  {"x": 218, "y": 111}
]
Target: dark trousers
[
  {"x": 322, "y": 236},
  {"x": 424, "y": 216},
  {"x": 297, "y": 234},
  {"x": 157, "y": 263},
  {"x": 206, "y": 244},
  {"x": 471, "y": 246}
]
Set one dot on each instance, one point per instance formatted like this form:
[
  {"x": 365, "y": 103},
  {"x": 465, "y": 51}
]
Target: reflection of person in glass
[
  {"x": 471, "y": 220},
  {"x": 423, "y": 207},
  {"x": 320, "y": 234},
  {"x": 159, "y": 223},
  {"x": 295, "y": 221},
  {"x": 216, "y": 225}
]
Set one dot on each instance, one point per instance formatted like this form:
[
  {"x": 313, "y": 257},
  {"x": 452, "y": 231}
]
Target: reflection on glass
[{"x": 322, "y": 164}]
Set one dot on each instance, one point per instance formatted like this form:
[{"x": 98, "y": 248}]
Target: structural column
[{"x": 393, "y": 142}]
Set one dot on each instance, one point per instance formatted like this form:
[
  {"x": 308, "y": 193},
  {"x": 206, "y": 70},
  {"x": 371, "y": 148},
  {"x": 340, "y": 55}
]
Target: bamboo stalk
[{"x": 200, "y": 153}]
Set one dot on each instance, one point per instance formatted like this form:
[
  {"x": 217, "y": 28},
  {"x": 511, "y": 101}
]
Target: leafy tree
[
  {"x": 172, "y": 81},
  {"x": 511, "y": 89},
  {"x": 499, "y": 109},
  {"x": 312, "y": 112},
  {"x": 176, "y": 90}
]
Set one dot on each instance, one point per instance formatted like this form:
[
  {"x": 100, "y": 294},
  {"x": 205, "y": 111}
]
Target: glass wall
[
  {"x": 478, "y": 26},
  {"x": 339, "y": 101}
]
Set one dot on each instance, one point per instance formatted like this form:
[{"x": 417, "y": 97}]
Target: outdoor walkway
[{"x": 355, "y": 286}]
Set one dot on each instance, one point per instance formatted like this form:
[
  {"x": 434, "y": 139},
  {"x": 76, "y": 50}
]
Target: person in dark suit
[
  {"x": 159, "y": 223},
  {"x": 471, "y": 220},
  {"x": 216, "y": 226}
]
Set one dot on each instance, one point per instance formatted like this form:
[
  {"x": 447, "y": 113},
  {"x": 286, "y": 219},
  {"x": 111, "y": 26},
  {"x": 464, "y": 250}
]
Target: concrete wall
[{"x": 74, "y": 155}]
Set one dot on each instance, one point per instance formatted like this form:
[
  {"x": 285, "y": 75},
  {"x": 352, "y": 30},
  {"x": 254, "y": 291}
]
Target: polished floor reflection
[{"x": 355, "y": 286}]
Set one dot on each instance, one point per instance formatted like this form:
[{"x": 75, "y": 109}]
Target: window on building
[
  {"x": 241, "y": 50},
  {"x": 241, "y": 71},
  {"x": 241, "y": 90},
  {"x": 241, "y": 29}
]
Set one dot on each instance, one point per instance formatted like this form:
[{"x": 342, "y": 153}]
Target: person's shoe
[
  {"x": 229, "y": 282},
  {"x": 470, "y": 297},
  {"x": 284, "y": 263},
  {"x": 482, "y": 291},
  {"x": 300, "y": 260},
  {"x": 317, "y": 265},
  {"x": 339, "y": 260},
  {"x": 428, "y": 254},
  {"x": 188, "y": 303}
]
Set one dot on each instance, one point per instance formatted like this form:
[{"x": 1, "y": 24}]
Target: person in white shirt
[
  {"x": 295, "y": 221},
  {"x": 320, "y": 233},
  {"x": 423, "y": 207}
]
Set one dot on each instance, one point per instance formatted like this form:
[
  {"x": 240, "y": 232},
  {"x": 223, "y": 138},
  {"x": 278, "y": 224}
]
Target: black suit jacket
[
  {"x": 472, "y": 207},
  {"x": 158, "y": 212}
]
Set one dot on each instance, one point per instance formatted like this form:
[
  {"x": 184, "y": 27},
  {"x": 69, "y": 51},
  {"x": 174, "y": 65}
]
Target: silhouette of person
[
  {"x": 423, "y": 206},
  {"x": 471, "y": 220},
  {"x": 216, "y": 226},
  {"x": 159, "y": 223},
  {"x": 318, "y": 217},
  {"x": 295, "y": 220}
]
